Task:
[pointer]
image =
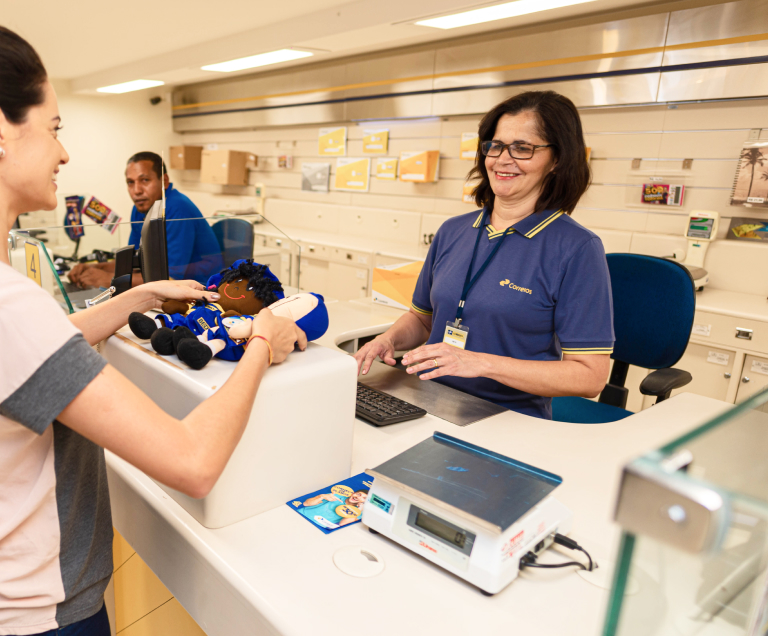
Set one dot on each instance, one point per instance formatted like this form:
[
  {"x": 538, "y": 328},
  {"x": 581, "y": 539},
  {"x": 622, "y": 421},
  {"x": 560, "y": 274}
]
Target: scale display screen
[
  {"x": 435, "y": 527},
  {"x": 441, "y": 529},
  {"x": 700, "y": 227}
]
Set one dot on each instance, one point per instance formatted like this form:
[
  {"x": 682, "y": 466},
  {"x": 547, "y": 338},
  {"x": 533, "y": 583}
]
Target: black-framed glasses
[{"x": 516, "y": 149}]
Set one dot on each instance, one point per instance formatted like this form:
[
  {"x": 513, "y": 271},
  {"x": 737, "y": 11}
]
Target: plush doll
[{"x": 197, "y": 332}]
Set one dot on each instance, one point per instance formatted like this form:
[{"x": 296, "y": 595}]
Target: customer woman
[
  {"x": 60, "y": 403},
  {"x": 514, "y": 300}
]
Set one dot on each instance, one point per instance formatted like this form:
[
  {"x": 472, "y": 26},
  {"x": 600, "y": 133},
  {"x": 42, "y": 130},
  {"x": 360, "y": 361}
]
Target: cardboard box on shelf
[
  {"x": 186, "y": 157},
  {"x": 393, "y": 285},
  {"x": 226, "y": 167}
]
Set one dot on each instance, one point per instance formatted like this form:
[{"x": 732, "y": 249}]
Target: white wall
[{"x": 100, "y": 133}]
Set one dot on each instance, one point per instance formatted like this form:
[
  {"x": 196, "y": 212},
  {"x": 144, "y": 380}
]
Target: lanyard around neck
[{"x": 469, "y": 281}]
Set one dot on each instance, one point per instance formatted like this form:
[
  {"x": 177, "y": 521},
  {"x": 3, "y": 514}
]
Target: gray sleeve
[{"x": 60, "y": 379}]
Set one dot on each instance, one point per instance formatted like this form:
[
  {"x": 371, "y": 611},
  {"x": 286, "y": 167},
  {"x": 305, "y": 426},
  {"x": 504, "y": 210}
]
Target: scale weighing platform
[{"x": 465, "y": 508}]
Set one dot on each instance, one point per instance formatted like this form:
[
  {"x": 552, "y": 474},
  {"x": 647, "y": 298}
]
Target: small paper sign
[
  {"x": 715, "y": 357},
  {"x": 375, "y": 142},
  {"x": 332, "y": 141},
  {"x": 352, "y": 174},
  {"x": 386, "y": 168},
  {"x": 102, "y": 215},
  {"x": 760, "y": 367},
  {"x": 663, "y": 194},
  {"x": 701, "y": 330},
  {"x": 467, "y": 193}
]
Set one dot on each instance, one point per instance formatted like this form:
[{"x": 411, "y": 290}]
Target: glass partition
[
  {"x": 694, "y": 550},
  {"x": 192, "y": 252}
]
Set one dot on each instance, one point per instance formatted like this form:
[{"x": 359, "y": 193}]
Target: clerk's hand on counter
[
  {"x": 282, "y": 334},
  {"x": 92, "y": 274},
  {"x": 380, "y": 347},
  {"x": 442, "y": 359}
]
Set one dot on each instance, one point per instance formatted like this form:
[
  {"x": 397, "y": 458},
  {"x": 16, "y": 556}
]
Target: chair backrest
[
  {"x": 235, "y": 237},
  {"x": 654, "y": 300}
]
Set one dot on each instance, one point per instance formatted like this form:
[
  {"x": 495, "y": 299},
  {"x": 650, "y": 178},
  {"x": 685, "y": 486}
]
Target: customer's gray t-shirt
[{"x": 55, "y": 520}]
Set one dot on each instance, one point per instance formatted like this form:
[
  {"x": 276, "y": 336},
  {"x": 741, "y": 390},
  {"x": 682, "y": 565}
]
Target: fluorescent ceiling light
[
  {"x": 497, "y": 12},
  {"x": 273, "y": 57},
  {"x": 127, "y": 87}
]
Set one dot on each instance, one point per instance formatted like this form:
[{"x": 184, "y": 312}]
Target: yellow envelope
[
  {"x": 419, "y": 166},
  {"x": 469, "y": 145},
  {"x": 386, "y": 168},
  {"x": 375, "y": 142},
  {"x": 353, "y": 174},
  {"x": 332, "y": 141}
]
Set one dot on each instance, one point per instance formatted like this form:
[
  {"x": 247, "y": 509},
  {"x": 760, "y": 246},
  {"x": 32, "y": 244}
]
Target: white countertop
[
  {"x": 274, "y": 574},
  {"x": 736, "y": 304}
]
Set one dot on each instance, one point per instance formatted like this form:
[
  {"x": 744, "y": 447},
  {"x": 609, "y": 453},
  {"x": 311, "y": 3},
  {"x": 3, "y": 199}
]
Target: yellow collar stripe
[
  {"x": 544, "y": 223},
  {"x": 478, "y": 220}
]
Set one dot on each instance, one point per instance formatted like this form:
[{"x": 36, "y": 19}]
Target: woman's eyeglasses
[{"x": 516, "y": 150}]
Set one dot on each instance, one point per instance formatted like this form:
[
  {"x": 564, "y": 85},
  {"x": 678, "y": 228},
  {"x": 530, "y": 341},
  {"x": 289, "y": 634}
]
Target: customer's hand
[
  {"x": 442, "y": 359},
  {"x": 380, "y": 347},
  {"x": 184, "y": 290},
  {"x": 282, "y": 334}
]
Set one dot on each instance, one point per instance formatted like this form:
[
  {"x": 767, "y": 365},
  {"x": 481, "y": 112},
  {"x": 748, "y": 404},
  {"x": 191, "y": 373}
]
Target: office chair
[
  {"x": 235, "y": 237},
  {"x": 653, "y": 304}
]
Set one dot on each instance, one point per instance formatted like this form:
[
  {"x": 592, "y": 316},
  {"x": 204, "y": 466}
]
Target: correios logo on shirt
[{"x": 506, "y": 283}]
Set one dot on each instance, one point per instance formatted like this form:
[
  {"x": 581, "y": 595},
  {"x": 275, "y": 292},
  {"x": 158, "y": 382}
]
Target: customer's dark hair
[
  {"x": 558, "y": 124},
  {"x": 157, "y": 162},
  {"x": 22, "y": 76}
]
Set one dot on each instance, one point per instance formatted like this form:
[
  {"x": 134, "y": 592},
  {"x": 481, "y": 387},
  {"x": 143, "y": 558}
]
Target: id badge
[{"x": 456, "y": 336}]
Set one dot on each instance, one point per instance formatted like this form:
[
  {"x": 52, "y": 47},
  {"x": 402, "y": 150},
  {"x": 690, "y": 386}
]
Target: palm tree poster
[{"x": 750, "y": 186}]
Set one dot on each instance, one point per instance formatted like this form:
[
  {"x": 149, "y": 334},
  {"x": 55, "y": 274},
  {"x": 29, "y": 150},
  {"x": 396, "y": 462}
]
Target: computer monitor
[{"x": 153, "y": 253}]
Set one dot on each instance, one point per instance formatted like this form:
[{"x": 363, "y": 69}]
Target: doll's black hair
[{"x": 263, "y": 287}]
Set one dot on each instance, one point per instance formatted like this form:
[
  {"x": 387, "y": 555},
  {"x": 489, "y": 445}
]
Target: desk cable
[{"x": 529, "y": 559}]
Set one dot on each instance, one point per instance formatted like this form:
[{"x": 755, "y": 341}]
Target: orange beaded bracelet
[{"x": 269, "y": 346}]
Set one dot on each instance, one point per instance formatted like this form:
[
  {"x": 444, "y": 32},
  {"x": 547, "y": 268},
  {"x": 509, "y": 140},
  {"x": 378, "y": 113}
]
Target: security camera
[{"x": 155, "y": 100}]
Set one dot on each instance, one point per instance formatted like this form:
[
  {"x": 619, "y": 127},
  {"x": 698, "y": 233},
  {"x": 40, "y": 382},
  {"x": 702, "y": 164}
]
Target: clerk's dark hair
[
  {"x": 22, "y": 76},
  {"x": 263, "y": 288},
  {"x": 559, "y": 124},
  {"x": 158, "y": 165}
]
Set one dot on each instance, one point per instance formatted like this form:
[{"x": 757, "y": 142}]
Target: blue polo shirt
[
  {"x": 546, "y": 292},
  {"x": 193, "y": 251}
]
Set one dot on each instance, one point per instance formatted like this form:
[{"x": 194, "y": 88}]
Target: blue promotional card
[{"x": 335, "y": 506}]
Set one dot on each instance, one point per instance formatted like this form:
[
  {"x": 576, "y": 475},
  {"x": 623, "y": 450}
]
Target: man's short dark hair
[
  {"x": 362, "y": 490},
  {"x": 157, "y": 162}
]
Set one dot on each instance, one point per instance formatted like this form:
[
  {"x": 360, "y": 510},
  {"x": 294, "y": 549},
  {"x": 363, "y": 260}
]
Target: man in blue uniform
[{"x": 193, "y": 251}]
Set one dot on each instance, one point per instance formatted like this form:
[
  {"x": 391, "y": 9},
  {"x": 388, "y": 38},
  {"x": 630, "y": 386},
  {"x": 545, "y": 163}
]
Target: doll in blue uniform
[{"x": 197, "y": 332}]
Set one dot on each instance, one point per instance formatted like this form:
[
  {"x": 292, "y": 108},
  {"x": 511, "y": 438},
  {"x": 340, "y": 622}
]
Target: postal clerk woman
[{"x": 514, "y": 300}]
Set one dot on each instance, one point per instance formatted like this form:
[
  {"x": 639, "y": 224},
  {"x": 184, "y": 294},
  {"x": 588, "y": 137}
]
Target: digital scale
[
  {"x": 701, "y": 231},
  {"x": 469, "y": 510}
]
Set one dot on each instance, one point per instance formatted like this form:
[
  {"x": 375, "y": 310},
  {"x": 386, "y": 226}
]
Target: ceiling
[{"x": 92, "y": 43}]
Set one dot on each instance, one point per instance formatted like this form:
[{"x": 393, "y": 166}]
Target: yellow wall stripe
[{"x": 759, "y": 37}]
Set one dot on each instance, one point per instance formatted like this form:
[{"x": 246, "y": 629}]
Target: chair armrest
[{"x": 663, "y": 381}]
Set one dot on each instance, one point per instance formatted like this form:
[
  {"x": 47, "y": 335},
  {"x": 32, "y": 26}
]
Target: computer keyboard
[{"x": 381, "y": 408}]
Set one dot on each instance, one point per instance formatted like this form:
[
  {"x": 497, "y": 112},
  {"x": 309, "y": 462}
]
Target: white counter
[{"x": 274, "y": 574}]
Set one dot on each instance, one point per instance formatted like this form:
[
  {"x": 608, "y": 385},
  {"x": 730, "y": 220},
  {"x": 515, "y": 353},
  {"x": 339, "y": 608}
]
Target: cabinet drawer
[{"x": 724, "y": 330}]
